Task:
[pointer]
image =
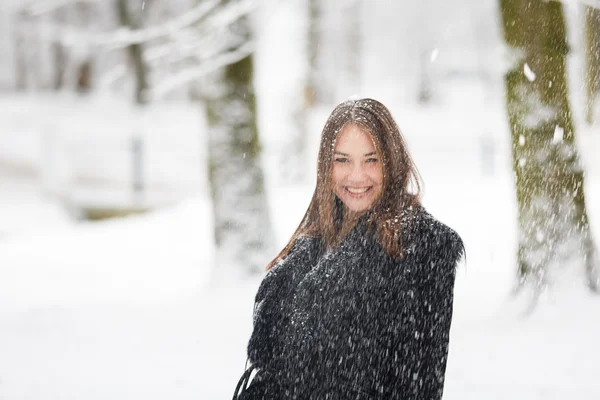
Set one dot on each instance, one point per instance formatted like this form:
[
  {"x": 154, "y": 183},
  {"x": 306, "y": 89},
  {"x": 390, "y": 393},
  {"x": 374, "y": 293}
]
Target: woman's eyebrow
[{"x": 346, "y": 154}]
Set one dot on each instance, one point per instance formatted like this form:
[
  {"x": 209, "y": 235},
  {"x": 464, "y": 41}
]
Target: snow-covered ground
[{"x": 123, "y": 309}]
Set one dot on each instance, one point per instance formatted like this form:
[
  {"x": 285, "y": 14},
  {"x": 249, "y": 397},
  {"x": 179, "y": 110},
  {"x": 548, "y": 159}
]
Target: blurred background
[{"x": 155, "y": 155}]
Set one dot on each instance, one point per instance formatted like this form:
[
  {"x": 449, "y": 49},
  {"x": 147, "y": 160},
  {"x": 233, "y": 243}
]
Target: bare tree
[
  {"x": 60, "y": 65},
  {"x": 425, "y": 91},
  {"x": 314, "y": 92},
  {"x": 213, "y": 43},
  {"x": 20, "y": 49},
  {"x": 293, "y": 79},
  {"x": 135, "y": 51},
  {"x": 241, "y": 219},
  {"x": 553, "y": 223},
  {"x": 351, "y": 44}
]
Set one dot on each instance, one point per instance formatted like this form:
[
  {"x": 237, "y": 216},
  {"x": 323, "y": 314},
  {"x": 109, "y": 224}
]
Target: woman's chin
[{"x": 358, "y": 205}]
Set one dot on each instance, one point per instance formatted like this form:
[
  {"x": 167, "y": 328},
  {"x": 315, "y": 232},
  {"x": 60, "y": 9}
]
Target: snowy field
[{"x": 123, "y": 309}]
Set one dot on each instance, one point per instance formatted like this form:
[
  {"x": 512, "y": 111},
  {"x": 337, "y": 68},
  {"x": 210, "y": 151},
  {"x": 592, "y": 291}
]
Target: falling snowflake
[{"x": 529, "y": 73}]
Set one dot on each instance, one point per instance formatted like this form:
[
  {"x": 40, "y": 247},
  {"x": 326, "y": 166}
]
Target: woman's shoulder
[
  {"x": 304, "y": 250},
  {"x": 303, "y": 254},
  {"x": 430, "y": 236}
]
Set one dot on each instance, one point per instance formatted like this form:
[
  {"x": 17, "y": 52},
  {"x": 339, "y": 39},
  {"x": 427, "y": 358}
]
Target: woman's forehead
[{"x": 353, "y": 136}]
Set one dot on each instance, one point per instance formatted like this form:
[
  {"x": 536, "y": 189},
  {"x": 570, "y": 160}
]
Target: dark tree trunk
[
  {"x": 84, "y": 77},
  {"x": 135, "y": 52},
  {"x": 242, "y": 224},
  {"x": 60, "y": 56},
  {"x": 553, "y": 224},
  {"x": 60, "y": 65}
]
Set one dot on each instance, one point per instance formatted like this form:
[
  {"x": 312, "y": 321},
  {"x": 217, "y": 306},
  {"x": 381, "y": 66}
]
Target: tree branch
[
  {"x": 39, "y": 8},
  {"x": 193, "y": 74},
  {"x": 126, "y": 37}
]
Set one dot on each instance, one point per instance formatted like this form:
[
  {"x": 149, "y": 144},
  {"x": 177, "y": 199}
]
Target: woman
[{"x": 358, "y": 305}]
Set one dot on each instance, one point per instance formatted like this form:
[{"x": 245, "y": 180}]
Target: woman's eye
[
  {"x": 371, "y": 160},
  {"x": 341, "y": 160}
]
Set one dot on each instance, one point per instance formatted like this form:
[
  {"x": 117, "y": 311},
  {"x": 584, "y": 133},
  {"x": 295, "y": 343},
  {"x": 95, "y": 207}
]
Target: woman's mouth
[{"x": 357, "y": 192}]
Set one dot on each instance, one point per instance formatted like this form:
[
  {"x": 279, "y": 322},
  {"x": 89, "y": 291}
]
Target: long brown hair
[{"x": 325, "y": 211}]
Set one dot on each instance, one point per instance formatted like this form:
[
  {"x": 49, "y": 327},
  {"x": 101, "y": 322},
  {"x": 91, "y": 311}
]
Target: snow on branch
[
  {"x": 589, "y": 3},
  {"x": 231, "y": 13},
  {"x": 39, "y": 8},
  {"x": 191, "y": 46},
  {"x": 225, "y": 16},
  {"x": 187, "y": 45},
  {"x": 124, "y": 37},
  {"x": 192, "y": 74}
]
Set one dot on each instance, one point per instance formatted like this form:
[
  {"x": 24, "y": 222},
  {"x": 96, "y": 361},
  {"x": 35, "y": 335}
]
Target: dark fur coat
[{"x": 354, "y": 323}]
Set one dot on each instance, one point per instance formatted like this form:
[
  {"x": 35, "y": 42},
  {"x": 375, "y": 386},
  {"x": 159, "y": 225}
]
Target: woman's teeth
[{"x": 357, "y": 191}]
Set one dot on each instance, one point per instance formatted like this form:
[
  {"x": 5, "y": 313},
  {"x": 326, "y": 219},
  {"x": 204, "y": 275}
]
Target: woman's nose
[{"x": 357, "y": 173}]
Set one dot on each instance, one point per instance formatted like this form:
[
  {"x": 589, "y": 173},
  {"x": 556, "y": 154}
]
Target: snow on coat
[{"x": 354, "y": 323}]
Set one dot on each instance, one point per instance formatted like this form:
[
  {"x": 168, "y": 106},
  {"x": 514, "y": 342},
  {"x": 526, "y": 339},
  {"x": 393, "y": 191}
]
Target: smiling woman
[{"x": 358, "y": 304}]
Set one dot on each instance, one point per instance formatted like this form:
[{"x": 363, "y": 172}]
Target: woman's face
[{"x": 357, "y": 175}]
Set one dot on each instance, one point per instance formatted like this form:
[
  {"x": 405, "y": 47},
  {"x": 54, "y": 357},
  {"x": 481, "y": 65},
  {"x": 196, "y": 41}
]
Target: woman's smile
[{"x": 358, "y": 192}]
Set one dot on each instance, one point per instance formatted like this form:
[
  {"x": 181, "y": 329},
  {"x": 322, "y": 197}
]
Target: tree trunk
[
  {"x": 84, "y": 77},
  {"x": 60, "y": 54},
  {"x": 322, "y": 51},
  {"x": 553, "y": 224},
  {"x": 20, "y": 49},
  {"x": 242, "y": 225},
  {"x": 319, "y": 90},
  {"x": 350, "y": 83},
  {"x": 135, "y": 53},
  {"x": 313, "y": 95},
  {"x": 592, "y": 57},
  {"x": 60, "y": 65},
  {"x": 425, "y": 91},
  {"x": 295, "y": 94}
]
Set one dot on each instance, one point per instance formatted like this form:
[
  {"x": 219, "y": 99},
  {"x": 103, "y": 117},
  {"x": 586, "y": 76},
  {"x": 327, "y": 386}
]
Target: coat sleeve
[
  {"x": 272, "y": 301},
  {"x": 437, "y": 295}
]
